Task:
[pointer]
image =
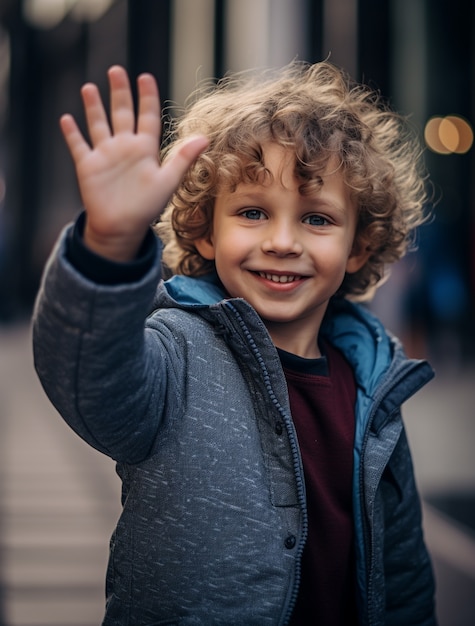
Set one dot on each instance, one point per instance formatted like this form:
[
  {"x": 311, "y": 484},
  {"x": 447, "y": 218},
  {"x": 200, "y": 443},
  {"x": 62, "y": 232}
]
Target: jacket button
[
  {"x": 279, "y": 428},
  {"x": 290, "y": 542}
]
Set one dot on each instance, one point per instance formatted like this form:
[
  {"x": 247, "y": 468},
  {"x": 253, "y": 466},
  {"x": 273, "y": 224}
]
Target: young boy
[{"x": 252, "y": 409}]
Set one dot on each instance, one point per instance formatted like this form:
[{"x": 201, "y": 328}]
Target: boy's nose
[{"x": 281, "y": 240}]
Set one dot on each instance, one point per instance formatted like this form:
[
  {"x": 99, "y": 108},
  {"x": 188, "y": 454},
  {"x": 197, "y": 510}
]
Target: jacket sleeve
[
  {"x": 409, "y": 582},
  {"x": 94, "y": 359}
]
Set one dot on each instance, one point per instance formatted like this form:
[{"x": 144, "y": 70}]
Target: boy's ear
[
  {"x": 358, "y": 257},
  {"x": 205, "y": 247}
]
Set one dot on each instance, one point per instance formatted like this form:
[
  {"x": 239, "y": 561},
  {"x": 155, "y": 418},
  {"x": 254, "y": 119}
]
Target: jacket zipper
[{"x": 295, "y": 454}]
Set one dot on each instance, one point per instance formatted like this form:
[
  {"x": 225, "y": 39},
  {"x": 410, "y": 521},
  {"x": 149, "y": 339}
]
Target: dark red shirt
[{"x": 322, "y": 400}]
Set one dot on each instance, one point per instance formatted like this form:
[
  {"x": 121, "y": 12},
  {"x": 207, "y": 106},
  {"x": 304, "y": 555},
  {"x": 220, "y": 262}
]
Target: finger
[
  {"x": 77, "y": 145},
  {"x": 182, "y": 157},
  {"x": 97, "y": 122},
  {"x": 122, "y": 104},
  {"x": 149, "y": 107}
]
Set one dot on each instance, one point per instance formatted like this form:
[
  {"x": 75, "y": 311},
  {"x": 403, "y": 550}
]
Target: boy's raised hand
[{"x": 123, "y": 186}]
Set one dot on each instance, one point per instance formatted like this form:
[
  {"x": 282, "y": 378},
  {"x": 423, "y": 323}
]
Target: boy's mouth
[{"x": 279, "y": 278}]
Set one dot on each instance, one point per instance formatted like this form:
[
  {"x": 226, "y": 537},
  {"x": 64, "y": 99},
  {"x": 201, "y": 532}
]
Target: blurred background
[{"x": 59, "y": 499}]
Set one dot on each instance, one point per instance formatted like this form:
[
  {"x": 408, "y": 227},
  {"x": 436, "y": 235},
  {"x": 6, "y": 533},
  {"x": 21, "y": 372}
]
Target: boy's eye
[
  {"x": 253, "y": 214},
  {"x": 315, "y": 220}
]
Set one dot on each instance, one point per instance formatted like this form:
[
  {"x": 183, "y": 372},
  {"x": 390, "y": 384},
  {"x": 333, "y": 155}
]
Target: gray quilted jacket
[{"x": 194, "y": 409}]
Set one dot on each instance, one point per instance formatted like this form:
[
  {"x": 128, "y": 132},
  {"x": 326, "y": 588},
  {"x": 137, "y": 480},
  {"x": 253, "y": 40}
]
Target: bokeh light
[
  {"x": 47, "y": 14},
  {"x": 448, "y": 135}
]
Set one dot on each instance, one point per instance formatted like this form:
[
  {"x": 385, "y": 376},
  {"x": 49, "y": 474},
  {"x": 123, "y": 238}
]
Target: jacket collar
[
  {"x": 188, "y": 291},
  {"x": 350, "y": 327}
]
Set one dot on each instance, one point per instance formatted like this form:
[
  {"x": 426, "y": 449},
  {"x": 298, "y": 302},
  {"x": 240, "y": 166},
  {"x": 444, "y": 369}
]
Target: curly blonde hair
[{"x": 317, "y": 112}]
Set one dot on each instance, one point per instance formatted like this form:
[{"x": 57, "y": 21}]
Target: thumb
[{"x": 182, "y": 156}]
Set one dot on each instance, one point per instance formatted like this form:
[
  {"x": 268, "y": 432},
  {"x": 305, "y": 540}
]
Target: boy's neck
[{"x": 294, "y": 342}]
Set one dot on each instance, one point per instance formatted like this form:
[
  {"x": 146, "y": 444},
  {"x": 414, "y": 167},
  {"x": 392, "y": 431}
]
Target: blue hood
[{"x": 188, "y": 291}]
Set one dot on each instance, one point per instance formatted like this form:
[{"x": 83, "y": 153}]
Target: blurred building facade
[{"x": 418, "y": 53}]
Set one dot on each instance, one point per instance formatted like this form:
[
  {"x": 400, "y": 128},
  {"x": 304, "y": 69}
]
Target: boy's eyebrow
[
  {"x": 322, "y": 200},
  {"x": 251, "y": 193},
  {"x": 256, "y": 194}
]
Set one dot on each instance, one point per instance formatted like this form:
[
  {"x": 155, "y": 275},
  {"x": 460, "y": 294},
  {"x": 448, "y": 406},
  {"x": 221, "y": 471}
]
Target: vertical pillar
[
  {"x": 288, "y": 31},
  {"x": 149, "y": 40},
  {"x": 18, "y": 275},
  {"x": 409, "y": 57},
  {"x": 340, "y": 33},
  {"x": 247, "y": 34},
  {"x": 193, "y": 41},
  {"x": 264, "y": 33}
]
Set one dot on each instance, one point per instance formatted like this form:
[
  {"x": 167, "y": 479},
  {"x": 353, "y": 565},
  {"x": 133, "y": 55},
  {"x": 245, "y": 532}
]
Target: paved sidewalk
[
  {"x": 59, "y": 502},
  {"x": 59, "y": 499}
]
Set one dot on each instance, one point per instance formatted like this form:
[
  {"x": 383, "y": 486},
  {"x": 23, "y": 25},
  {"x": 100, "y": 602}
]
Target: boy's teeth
[{"x": 278, "y": 279}]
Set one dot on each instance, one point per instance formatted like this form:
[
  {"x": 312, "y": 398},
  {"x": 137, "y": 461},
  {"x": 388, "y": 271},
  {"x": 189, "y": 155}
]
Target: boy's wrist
[
  {"x": 103, "y": 270},
  {"x": 120, "y": 248}
]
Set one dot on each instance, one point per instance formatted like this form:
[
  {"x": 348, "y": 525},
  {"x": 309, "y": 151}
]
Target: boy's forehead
[
  {"x": 278, "y": 158},
  {"x": 282, "y": 163}
]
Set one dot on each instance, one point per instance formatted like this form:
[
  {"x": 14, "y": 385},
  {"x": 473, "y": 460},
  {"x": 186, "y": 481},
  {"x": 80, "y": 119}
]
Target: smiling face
[{"x": 285, "y": 253}]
